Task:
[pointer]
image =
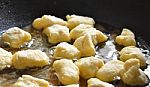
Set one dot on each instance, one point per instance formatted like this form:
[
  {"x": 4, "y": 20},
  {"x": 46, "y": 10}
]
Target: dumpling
[
  {"x": 29, "y": 58},
  {"x": 126, "y": 38},
  {"x": 75, "y": 20},
  {"x": 110, "y": 71},
  {"x": 66, "y": 71},
  {"x": 5, "y": 59},
  {"x": 97, "y": 36},
  {"x": 100, "y": 37},
  {"x": 65, "y": 50},
  {"x": 132, "y": 74},
  {"x": 15, "y": 37},
  {"x": 132, "y": 52},
  {"x": 85, "y": 45},
  {"x": 46, "y": 21},
  {"x": 29, "y": 81},
  {"x": 57, "y": 33},
  {"x": 89, "y": 66},
  {"x": 94, "y": 82},
  {"x": 78, "y": 30}
]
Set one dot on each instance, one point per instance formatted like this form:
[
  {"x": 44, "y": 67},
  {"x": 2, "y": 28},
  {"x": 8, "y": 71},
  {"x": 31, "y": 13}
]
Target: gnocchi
[
  {"x": 127, "y": 38},
  {"x": 75, "y": 20},
  {"x": 46, "y": 21},
  {"x": 85, "y": 45},
  {"x": 94, "y": 82},
  {"x": 88, "y": 66},
  {"x": 29, "y": 81},
  {"x": 5, "y": 59},
  {"x": 75, "y": 57},
  {"x": 110, "y": 71},
  {"x": 65, "y": 50},
  {"x": 66, "y": 71},
  {"x": 29, "y": 58},
  {"x": 57, "y": 33},
  {"x": 132, "y": 52},
  {"x": 78, "y": 30},
  {"x": 16, "y": 37},
  {"x": 132, "y": 74},
  {"x": 97, "y": 36}
]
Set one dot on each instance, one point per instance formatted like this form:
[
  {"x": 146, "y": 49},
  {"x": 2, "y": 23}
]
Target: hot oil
[
  {"x": 106, "y": 51},
  {"x": 39, "y": 41}
]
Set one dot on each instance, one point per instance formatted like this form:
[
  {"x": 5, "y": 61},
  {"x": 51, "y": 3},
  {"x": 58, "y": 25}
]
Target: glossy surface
[{"x": 107, "y": 51}]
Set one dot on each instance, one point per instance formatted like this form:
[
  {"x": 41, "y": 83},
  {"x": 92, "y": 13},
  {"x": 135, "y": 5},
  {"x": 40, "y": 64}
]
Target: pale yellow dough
[
  {"x": 89, "y": 66},
  {"x": 5, "y": 59},
  {"x": 46, "y": 21},
  {"x": 16, "y": 37},
  {"x": 65, "y": 50},
  {"x": 78, "y": 30},
  {"x": 132, "y": 52},
  {"x": 66, "y": 71},
  {"x": 85, "y": 45},
  {"x": 110, "y": 71},
  {"x": 57, "y": 33},
  {"x": 29, "y": 81},
  {"x": 82, "y": 29},
  {"x": 127, "y": 38},
  {"x": 132, "y": 74},
  {"x": 75, "y": 20},
  {"x": 29, "y": 58},
  {"x": 94, "y": 82}
]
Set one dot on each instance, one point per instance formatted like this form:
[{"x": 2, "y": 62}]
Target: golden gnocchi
[
  {"x": 46, "y": 21},
  {"x": 66, "y": 71},
  {"x": 65, "y": 50},
  {"x": 29, "y": 81},
  {"x": 5, "y": 59},
  {"x": 85, "y": 45},
  {"x": 94, "y": 82},
  {"x": 97, "y": 36},
  {"x": 75, "y": 20},
  {"x": 89, "y": 66},
  {"x": 16, "y": 37},
  {"x": 57, "y": 33},
  {"x": 132, "y": 52},
  {"x": 110, "y": 70},
  {"x": 29, "y": 58},
  {"x": 126, "y": 38},
  {"x": 132, "y": 74},
  {"x": 78, "y": 30}
]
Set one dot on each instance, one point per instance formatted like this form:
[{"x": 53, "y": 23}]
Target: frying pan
[{"x": 132, "y": 14}]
